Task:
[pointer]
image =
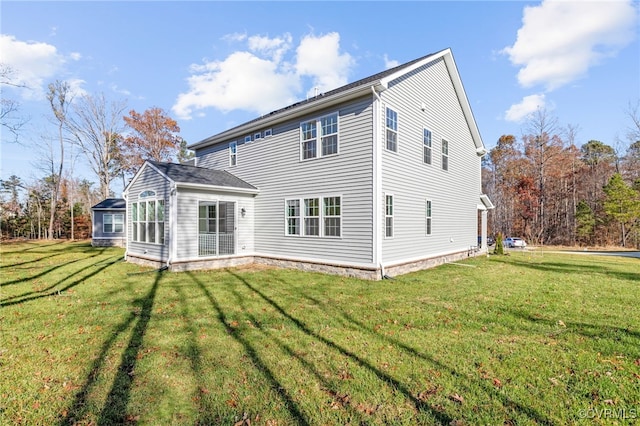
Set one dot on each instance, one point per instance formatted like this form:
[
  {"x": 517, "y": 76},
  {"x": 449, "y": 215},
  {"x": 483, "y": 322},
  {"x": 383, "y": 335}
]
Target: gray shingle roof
[
  {"x": 111, "y": 203},
  {"x": 182, "y": 173}
]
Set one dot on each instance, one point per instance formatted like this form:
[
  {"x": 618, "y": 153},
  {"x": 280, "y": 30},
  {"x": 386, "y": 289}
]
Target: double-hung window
[
  {"x": 426, "y": 139},
  {"x": 233, "y": 153},
  {"x": 147, "y": 217},
  {"x": 319, "y": 137},
  {"x": 112, "y": 223},
  {"x": 445, "y": 155},
  {"x": 314, "y": 216},
  {"x": 293, "y": 217},
  {"x": 332, "y": 216},
  {"x": 391, "y": 123},
  {"x": 427, "y": 217},
  {"x": 388, "y": 216}
]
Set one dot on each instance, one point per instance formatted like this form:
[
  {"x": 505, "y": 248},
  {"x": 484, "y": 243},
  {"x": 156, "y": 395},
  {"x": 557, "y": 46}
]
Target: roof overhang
[
  {"x": 217, "y": 188},
  {"x": 485, "y": 203}
]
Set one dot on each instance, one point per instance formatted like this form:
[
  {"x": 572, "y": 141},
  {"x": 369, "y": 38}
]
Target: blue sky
[{"x": 214, "y": 65}]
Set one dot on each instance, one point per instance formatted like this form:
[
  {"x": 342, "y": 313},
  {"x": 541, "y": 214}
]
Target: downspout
[
  {"x": 173, "y": 197},
  {"x": 377, "y": 182},
  {"x": 126, "y": 240}
]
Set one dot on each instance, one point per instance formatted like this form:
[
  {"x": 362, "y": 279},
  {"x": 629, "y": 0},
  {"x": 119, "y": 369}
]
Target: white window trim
[
  {"x": 233, "y": 153},
  {"x": 147, "y": 197},
  {"x": 268, "y": 133},
  {"x": 392, "y": 216},
  {"x": 113, "y": 223},
  {"x": 247, "y": 139},
  {"x": 257, "y": 136},
  {"x": 397, "y": 130},
  {"x": 425, "y": 146},
  {"x": 321, "y": 217},
  {"x": 319, "y": 135},
  {"x": 428, "y": 217}
]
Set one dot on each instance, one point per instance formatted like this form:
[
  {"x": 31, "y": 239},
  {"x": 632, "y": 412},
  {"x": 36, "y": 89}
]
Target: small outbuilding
[{"x": 109, "y": 223}]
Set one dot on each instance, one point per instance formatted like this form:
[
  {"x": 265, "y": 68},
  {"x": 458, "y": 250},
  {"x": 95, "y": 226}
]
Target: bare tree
[
  {"x": 96, "y": 127},
  {"x": 59, "y": 97},
  {"x": 9, "y": 107}
]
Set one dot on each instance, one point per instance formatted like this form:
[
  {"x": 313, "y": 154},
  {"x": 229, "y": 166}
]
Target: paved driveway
[{"x": 635, "y": 254}]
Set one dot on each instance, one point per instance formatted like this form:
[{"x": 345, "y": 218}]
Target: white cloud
[
  {"x": 528, "y": 105},
  {"x": 560, "y": 40},
  {"x": 320, "y": 58},
  {"x": 261, "y": 79},
  {"x": 76, "y": 56},
  {"x": 33, "y": 63},
  {"x": 390, "y": 63},
  {"x": 241, "y": 81}
]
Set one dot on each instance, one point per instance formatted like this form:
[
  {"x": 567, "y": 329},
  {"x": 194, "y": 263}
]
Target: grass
[{"x": 520, "y": 339}]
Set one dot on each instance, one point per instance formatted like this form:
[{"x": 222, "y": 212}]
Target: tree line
[
  {"x": 552, "y": 192},
  {"x": 111, "y": 143}
]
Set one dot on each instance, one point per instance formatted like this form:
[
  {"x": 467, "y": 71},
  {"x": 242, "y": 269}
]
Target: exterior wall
[
  {"x": 186, "y": 232},
  {"x": 454, "y": 193},
  {"x": 274, "y": 166},
  {"x": 149, "y": 179},
  {"x": 101, "y": 239}
]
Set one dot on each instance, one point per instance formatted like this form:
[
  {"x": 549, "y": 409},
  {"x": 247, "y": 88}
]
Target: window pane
[
  {"x": 108, "y": 228},
  {"x": 293, "y": 226},
  {"x": 161, "y": 232},
  {"x": 427, "y": 146},
  {"x": 142, "y": 212},
  {"x": 332, "y": 226},
  {"x": 134, "y": 237},
  {"x": 389, "y": 226},
  {"x": 308, "y": 130},
  {"x": 392, "y": 119},
  {"x": 134, "y": 212},
  {"x": 392, "y": 140},
  {"x": 151, "y": 232},
  {"x": 389, "y": 205},
  {"x": 329, "y": 124},
  {"x": 160, "y": 217},
  {"x": 312, "y": 226},
  {"x": 309, "y": 149},
  {"x": 151, "y": 211},
  {"x": 330, "y": 145}
]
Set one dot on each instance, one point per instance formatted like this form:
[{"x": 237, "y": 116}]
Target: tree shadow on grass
[
  {"x": 251, "y": 352},
  {"x": 395, "y": 384},
  {"x": 568, "y": 268},
  {"x": 462, "y": 380},
  {"x": 114, "y": 410},
  {"x": 51, "y": 290}
]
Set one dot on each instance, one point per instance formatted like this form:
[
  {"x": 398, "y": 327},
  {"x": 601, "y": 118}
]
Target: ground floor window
[
  {"x": 428, "y": 217},
  {"x": 147, "y": 221},
  {"x": 216, "y": 228},
  {"x": 112, "y": 223},
  {"x": 314, "y": 216},
  {"x": 388, "y": 216}
]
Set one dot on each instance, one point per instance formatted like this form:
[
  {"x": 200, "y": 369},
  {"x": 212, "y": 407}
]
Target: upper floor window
[
  {"x": 445, "y": 155},
  {"x": 319, "y": 137},
  {"x": 233, "y": 153},
  {"x": 392, "y": 130},
  {"x": 426, "y": 139},
  {"x": 247, "y": 139},
  {"x": 268, "y": 133}
]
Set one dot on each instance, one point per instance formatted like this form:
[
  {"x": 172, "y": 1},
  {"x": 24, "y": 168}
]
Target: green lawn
[{"x": 528, "y": 338}]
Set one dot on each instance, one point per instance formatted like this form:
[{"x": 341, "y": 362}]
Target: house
[
  {"x": 376, "y": 178},
  {"x": 108, "y": 223}
]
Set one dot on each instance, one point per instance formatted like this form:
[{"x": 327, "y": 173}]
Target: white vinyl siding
[
  {"x": 454, "y": 193},
  {"x": 277, "y": 170},
  {"x": 391, "y": 123}
]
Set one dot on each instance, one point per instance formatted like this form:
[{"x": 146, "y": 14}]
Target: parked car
[
  {"x": 490, "y": 240},
  {"x": 514, "y": 242}
]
